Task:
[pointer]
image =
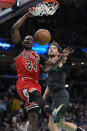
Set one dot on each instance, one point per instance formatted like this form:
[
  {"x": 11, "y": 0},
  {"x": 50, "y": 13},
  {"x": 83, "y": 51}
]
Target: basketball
[{"x": 42, "y": 36}]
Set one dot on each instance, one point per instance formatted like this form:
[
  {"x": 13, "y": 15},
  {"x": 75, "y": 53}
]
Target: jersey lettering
[{"x": 30, "y": 65}]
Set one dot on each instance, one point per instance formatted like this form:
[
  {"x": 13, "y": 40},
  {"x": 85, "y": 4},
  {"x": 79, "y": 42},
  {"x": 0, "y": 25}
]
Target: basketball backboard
[{"x": 22, "y": 6}]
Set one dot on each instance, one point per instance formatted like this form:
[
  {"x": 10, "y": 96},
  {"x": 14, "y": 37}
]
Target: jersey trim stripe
[
  {"x": 33, "y": 89},
  {"x": 32, "y": 107},
  {"x": 28, "y": 78}
]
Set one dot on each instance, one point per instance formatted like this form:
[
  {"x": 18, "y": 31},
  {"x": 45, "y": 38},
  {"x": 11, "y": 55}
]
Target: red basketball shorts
[{"x": 25, "y": 85}]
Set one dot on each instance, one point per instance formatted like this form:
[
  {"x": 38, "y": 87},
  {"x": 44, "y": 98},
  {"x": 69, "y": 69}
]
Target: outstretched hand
[{"x": 67, "y": 51}]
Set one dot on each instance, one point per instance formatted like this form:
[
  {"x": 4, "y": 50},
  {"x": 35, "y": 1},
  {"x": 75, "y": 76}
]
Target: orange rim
[{"x": 50, "y": 1}]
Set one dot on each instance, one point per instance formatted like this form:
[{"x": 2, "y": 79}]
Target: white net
[{"x": 44, "y": 8}]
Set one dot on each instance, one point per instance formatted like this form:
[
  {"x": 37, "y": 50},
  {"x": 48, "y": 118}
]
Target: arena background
[{"x": 68, "y": 26}]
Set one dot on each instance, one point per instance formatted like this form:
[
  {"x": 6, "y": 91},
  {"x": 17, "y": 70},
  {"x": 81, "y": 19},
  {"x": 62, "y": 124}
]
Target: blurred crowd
[{"x": 14, "y": 118}]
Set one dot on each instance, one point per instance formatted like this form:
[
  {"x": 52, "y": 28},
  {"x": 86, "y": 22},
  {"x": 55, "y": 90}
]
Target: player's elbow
[{"x": 13, "y": 28}]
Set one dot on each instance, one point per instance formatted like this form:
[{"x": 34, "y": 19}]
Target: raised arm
[
  {"x": 56, "y": 62},
  {"x": 63, "y": 57},
  {"x": 15, "y": 28}
]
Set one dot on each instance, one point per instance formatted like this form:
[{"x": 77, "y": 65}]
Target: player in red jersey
[{"x": 27, "y": 65}]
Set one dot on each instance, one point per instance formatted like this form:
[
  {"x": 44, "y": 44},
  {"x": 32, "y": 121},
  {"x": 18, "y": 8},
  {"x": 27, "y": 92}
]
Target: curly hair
[{"x": 57, "y": 45}]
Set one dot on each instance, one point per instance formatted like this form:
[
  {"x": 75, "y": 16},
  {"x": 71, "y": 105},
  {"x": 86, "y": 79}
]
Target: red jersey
[{"x": 27, "y": 65}]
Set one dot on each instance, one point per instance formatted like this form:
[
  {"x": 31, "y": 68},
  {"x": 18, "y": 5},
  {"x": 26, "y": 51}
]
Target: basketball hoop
[{"x": 47, "y": 7}]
